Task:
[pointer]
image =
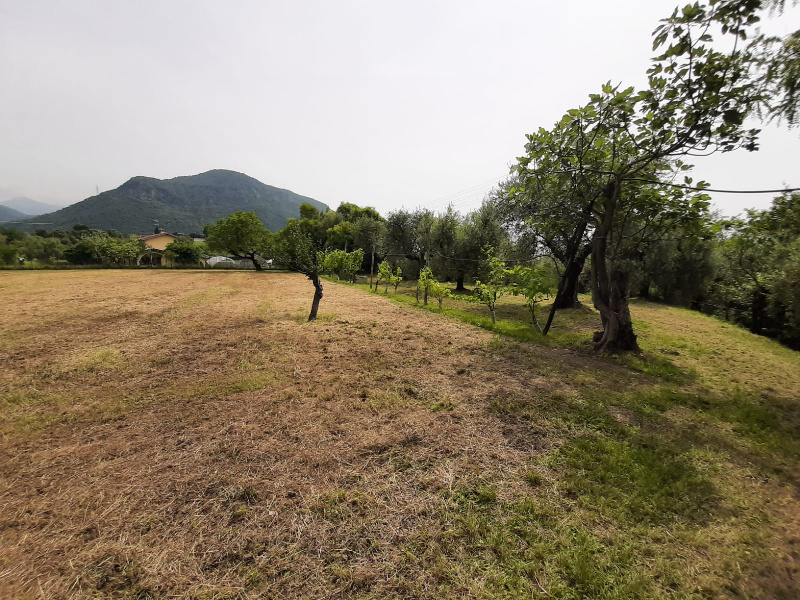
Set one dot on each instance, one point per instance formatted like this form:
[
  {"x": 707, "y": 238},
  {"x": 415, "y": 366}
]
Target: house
[{"x": 155, "y": 244}]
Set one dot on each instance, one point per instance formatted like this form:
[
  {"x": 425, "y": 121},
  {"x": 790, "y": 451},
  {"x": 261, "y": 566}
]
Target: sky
[{"x": 387, "y": 104}]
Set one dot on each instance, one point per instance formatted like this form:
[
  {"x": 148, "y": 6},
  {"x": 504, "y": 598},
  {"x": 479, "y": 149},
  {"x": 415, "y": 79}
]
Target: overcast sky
[{"x": 386, "y": 104}]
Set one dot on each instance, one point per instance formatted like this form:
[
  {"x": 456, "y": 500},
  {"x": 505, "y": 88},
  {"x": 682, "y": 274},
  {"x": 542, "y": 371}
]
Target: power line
[{"x": 716, "y": 191}]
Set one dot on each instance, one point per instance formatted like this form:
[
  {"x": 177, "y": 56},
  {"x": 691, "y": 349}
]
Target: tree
[
  {"x": 543, "y": 216},
  {"x": 343, "y": 264},
  {"x": 8, "y": 251},
  {"x": 122, "y": 251},
  {"x": 395, "y": 278},
  {"x": 424, "y": 283},
  {"x": 184, "y": 251},
  {"x": 439, "y": 291},
  {"x": 385, "y": 274},
  {"x": 696, "y": 102},
  {"x": 530, "y": 284},
  {"x": 757, "y": 274},
  {"x": 494, "y": 286},
  {"x": 340, "y": 236},
  {"x": 299, "y": 247},
  {"x": 242, "y": 236},
  {"x": 309, "y": 212},
  {"x": 369, "y": 234},
  {"x": 411, "y": 235}
]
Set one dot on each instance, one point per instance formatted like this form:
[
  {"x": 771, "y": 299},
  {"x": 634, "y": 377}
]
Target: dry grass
[{"x": 187, "y": 434}]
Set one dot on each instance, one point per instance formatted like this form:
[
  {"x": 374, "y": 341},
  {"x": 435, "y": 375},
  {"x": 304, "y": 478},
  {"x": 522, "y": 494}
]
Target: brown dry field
[{"x": 188, "y": 434}]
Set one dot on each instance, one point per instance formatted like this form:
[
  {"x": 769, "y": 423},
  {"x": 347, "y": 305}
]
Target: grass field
[{"x": 187, "y": 434}]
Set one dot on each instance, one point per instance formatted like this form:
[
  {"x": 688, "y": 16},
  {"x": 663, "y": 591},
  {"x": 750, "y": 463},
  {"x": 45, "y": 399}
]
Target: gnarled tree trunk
[
  {"x": 460, "y": 283},
  {"x": 610, "y": 291},
  {"x": 317, "y": 296}
]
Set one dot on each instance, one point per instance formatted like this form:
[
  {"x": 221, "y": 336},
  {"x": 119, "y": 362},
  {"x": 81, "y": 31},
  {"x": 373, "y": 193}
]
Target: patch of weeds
[
  {"x": 441, "y": 405},
  {"x": 635, "y": 481},
  {"x": 389, "y": 399},
  {"x": 101, "y": 361},
  {"x": 252, "y": 577},
  {"x": 533, "y": 478},
  {"x": 244, "y": 382},
  {"x": 340, "y": 505},
  {"x": 264, "y": 311},
  {"x": 28, "y": 398},
  {"x": 481, "y": 495}
]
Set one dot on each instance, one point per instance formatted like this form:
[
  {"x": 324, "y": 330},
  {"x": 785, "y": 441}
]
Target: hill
[
  {"x": 9, "y": 214},
  {"x": 29, "y": 207},
  {"x": 184, "y": 204}
]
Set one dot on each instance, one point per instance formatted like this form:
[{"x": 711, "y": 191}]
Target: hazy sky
[{"x": 374, "y": 102}]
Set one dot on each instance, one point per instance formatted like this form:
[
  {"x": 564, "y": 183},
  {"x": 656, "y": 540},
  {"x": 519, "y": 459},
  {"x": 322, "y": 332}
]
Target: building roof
[{"x": 153, "y": 236}]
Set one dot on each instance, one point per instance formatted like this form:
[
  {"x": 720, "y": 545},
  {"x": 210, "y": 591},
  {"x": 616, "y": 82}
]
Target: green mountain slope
[
  {"x": 9, "y": 214},
  {"x": 184, "y": 204}
]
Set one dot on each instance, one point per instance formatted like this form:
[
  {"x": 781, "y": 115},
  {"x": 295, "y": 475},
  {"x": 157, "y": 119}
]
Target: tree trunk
[
  {"x": 460, "y": 283},
  {"x": 317, "y": 296},
  {"x": 440, "y": 304},
  {"x": 425, "y": 298},
  {"x": 256, "y": 264},
  {"x": 573, "y": 257},
  {"x": 372, "y": 270},
  {"x": 569, "y": 296},
  {"x": 610, "y": 292},
  {"x": 758, "y": 311}
]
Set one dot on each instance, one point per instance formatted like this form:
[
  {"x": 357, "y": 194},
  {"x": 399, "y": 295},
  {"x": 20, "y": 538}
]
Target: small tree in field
[
  {"x": 530, "y": 284},
  {"x": 494, "y": 287},
  {"x": 424, "y": 283},
  {"x": 395, "y": 279},
  {"x": 385, "y": 274},
  {"x": 297, "y": 248},
  {"x": 439, "y": 291}
]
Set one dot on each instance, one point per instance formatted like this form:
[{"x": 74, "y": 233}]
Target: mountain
[
  {"x": 184, "y": 204},
  {"x": 9, "y": 214},
  {"x": 29, "y": 207}
]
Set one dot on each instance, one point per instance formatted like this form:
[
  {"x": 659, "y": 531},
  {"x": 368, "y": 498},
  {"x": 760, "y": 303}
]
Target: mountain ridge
[
  {"x": 185, "y": 203},
  {"x": 29, "y": 206},
  {"x": 11, "y": 214}
]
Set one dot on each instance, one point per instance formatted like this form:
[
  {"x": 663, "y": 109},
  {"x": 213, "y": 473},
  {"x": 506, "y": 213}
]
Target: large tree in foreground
[{"x": 700, "y": 92}]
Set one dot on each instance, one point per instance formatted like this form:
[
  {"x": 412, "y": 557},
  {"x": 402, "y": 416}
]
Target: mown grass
[
  {"x": 647, "y": 473},
  {"x": 366, "y": 456}
]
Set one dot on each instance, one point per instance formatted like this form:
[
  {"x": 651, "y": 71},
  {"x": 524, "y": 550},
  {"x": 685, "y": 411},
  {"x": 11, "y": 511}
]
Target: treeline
[
  {"x": 81, "y": 246},
  {"x": 745, "y": 270}
]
